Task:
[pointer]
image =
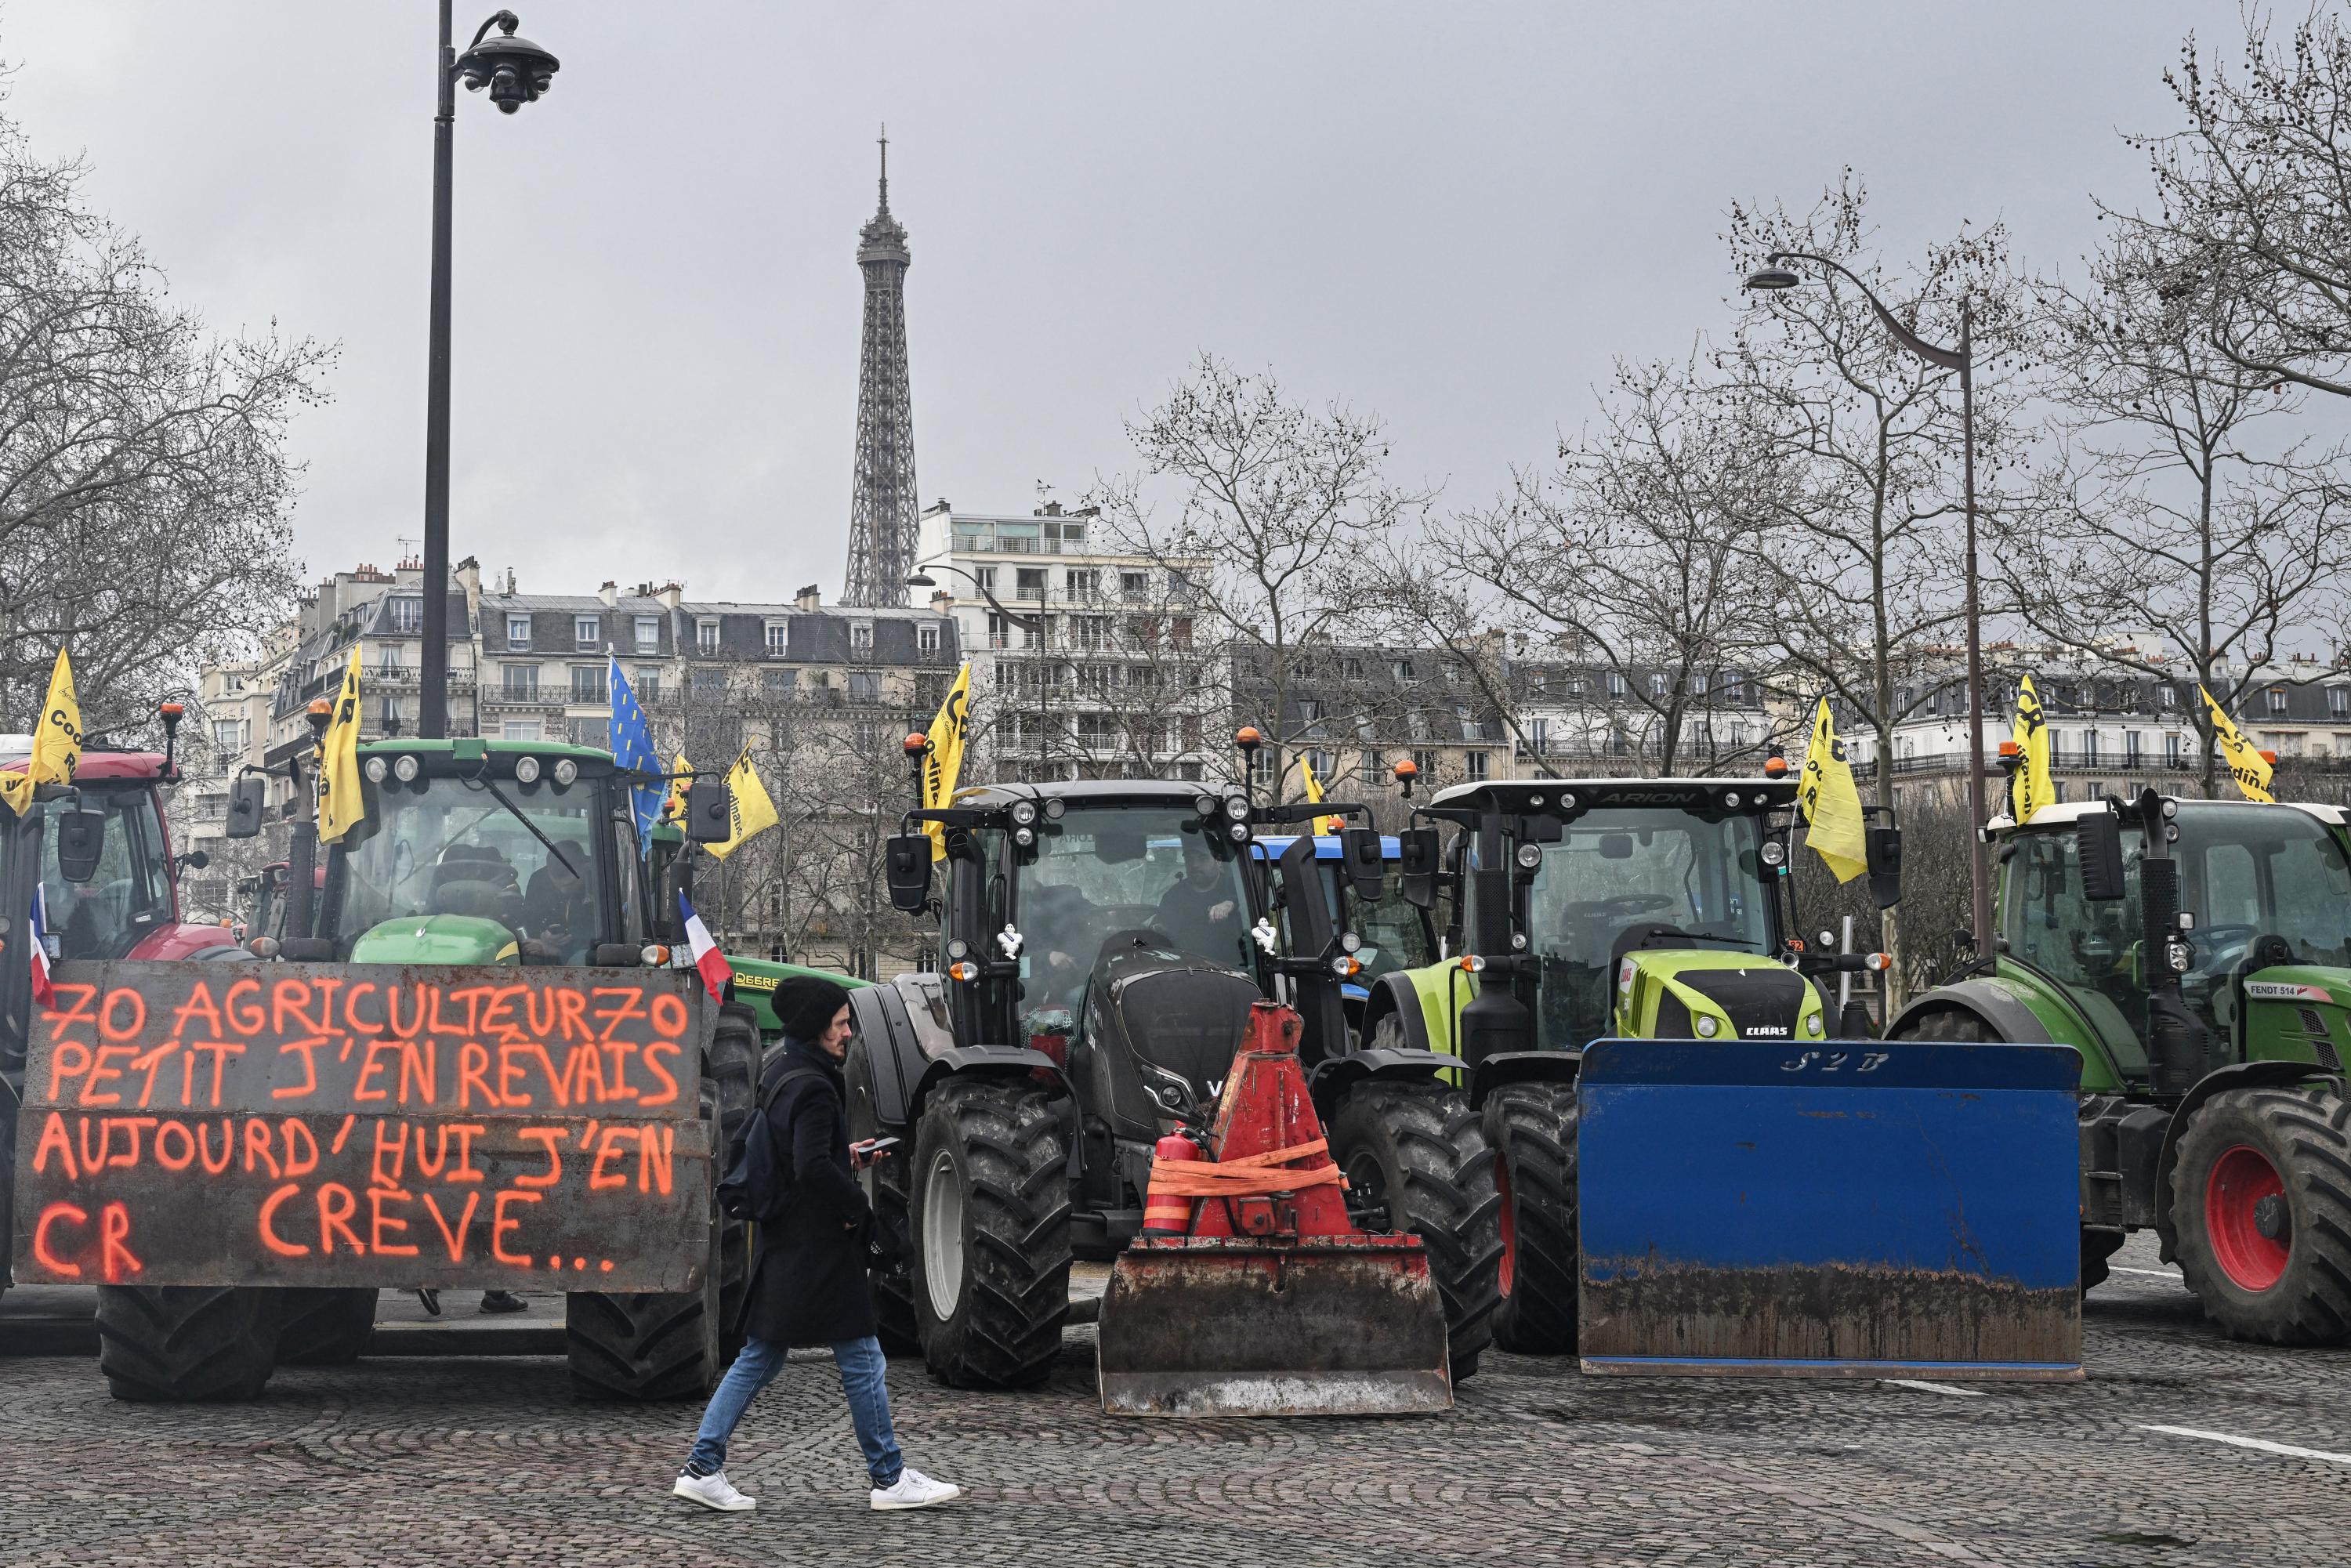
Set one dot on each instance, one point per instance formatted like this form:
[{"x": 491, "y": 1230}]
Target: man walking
[{"x": 808, "y": 1283}]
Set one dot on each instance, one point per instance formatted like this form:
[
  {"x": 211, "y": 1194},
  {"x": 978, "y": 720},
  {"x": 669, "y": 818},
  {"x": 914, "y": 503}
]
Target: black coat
[{"x": 808, "y": 1282}]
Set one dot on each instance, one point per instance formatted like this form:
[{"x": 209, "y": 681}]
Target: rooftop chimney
[
  {"x": 672, "y": 594},
  {"x": 610, "y": 593},
  {"x": 807, "y": 598}
]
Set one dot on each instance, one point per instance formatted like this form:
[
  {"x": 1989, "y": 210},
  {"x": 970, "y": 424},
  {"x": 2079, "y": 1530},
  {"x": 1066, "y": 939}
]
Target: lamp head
[{"x": 1772, "y": 280}]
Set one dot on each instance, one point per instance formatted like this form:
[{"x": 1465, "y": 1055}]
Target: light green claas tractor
[
  {"x": 2197, "y": 955},
  {"x": 1655, "y": 908}
]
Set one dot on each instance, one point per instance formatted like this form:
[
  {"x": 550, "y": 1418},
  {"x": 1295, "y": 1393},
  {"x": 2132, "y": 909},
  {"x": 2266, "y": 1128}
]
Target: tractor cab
[
  {"x": 486, "y": 852},
  {"x": 1392, "y": 933}
]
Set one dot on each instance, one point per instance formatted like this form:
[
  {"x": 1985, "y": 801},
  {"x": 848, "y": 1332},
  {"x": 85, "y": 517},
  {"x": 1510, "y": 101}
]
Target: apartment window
[
  {"x": 394, "y": 716},
  {"x": 779, "y": 639},
  {"x": 709, "y": 681},
  {"x": 1539, "y": 734},
  {"x": 586, "y": 632},
  {"x": 926, "y": 637},
  {"x": 1698, "y": 684},
  {"x": 1179, "y": 632},
  {"x": 2167, "y": 696},
  {"x": 1085, "y": 583},
  {"x": 861, "y": 636},
  {"x": 225, "y": 735},
  {"x": 779, "y": 682},
  {"x": 987, "y": 576},
  {"x": 1029, "y": 582},
  {"x": 864, "y": 686},
  {"x": 519, "y": 729},
  {"x": 522, "y": 684},
  {"x": 1615, "y": 685},
  {"x": 2130, "y": 748},
  {"x": 1734, "y": 688},
  {"x": 1134, "y": 585},
  {"x": 2277, "y": 699},
  {"x": 995, "y": 624},
  {"x": 1310, "y": 709},
  {"x": 648, "y": 633},
  {"x": 1404, "y": 670},
  {"x": 647, "y": 683},
  {"x": 2171, "y": 750},
  {"x": 2089, "y": 748},
  {"x": 2338, "y": 702},
  {"x": 1657, "y": 684},
  {"x": 517, "y": 631},
  {"x": 1427, "y": 762},
  {"x": 1475, "y": 765},
  {"x": 869, "y": 738},
  {"x": 706, "y": 636},
  {"x": 588, "y": 683},
  {"x": 1090, "y": 630},
  {"x": 1934, "y": 703},
  {"x": 407, "y": 614}
]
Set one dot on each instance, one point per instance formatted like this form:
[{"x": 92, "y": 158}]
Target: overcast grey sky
[{"x": 1454, "y": 214}]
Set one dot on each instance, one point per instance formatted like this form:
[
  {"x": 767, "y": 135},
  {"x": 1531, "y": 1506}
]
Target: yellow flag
[
  {"x": 2246, "y": 764},
  {"x": 57, "y": 741},
  {"x": 674, "y": 809},
  {"x": 2029, "y": 786},
  {"x": 1831, "y": 802},
  {"x": 342, "y": 806},
  {"x": 748, "y": 806},
  {"x": 949, "y": 729},
  {"x": 1314, "y": 796}
]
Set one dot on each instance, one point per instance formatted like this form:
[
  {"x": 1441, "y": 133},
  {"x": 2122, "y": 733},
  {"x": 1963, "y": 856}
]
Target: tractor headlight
[
  {"x": 1025, "y": 837},
  {"x": 958, "y": 948},
  {"x": 1237, "y": 808},
  {"x": 1024, "y": 813},
  {"x": 1240, "y": 832},
  {"x": 1775, "y": 853},
  {"x": 1813, "y": 1025},
  {"x": 1349, "y": 941},
  {"x": 1053, "y": 809},
  {"x": 406, "y": 769},
  {"x": 1530, "y": 856},
  {"x": 1707, "y": 1027},
  {"x": 1207, "y": 806},
  {"x": 375, "y": 769},
  {"x": 566, "y": 770},
  {"x": 526, "y": 769},
  {"x": 1731, "y": 799}
]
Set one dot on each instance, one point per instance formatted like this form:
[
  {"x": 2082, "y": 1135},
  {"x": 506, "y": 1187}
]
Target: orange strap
[{"x": 1252, "y": 1176}]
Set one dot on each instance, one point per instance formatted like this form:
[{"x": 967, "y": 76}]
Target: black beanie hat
[{"x": 805, "y": 1005}]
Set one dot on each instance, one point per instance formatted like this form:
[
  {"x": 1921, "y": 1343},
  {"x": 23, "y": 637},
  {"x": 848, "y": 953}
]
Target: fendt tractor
[
  {"x": 99, "y": 851},
  {"x": 1103, "y": 945},
  {"x": 476, "y": 1065},
  {"x": 2197, "y": 955}
]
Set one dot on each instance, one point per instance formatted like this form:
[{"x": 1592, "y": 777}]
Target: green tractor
[
  {"x": 2197, "y": 955},
  {"x": 474, "y": 860},
  {"x": 1657, "y": 908}
]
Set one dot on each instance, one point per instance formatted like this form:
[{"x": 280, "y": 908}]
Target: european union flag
[{"x": 631, "y": 744}]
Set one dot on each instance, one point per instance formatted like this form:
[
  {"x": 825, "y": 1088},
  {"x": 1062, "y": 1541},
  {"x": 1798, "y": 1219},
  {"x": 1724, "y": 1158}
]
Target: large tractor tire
[
  {"x": 2260, "y": 1208},
  {"x": 991, "y": 1237},
  {"x": 322, "y": 1327},
  {"x": 1419, "y": 1151},
  {"x": 1531, "y": 1134},
  {"x": 653, "y": 1345},
  {"x": 180, "y": 1344},
  {"x": 886, "y": 1186}
]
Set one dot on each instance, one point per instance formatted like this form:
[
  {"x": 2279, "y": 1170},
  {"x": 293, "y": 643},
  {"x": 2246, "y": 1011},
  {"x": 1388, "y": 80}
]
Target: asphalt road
[{"x": 2182, "y": 1448}]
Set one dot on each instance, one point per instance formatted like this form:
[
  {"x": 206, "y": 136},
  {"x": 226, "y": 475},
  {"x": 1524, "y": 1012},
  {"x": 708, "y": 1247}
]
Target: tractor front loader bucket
[
  {"x": 1259, "y": 1296},
  {"x": 1843, "y": 1209}
]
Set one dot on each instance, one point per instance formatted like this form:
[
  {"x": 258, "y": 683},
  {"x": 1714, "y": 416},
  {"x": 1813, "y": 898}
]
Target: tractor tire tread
[
  {"x": 1005, "y": 1332},
  {"x": 182, "y": 1344},
  {"x": 2302, "y": 1134},
  {"x": 1530, "y": 1132}
]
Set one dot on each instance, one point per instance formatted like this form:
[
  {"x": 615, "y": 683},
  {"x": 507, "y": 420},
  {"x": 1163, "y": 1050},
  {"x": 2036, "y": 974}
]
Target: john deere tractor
[
  {"x": 1100, "y": 946},
  {"x": 2197, "y": 955},
  {"x": 1656, "y": 908}
]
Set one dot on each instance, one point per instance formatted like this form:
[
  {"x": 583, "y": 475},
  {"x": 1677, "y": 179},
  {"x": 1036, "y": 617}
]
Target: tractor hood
[
  {"x": 1162, "y": 1027},
  {"x": 2297, "y": 1012},
  {"x": 1701, "y": 994},
  {"x": 460, "y": 939}
]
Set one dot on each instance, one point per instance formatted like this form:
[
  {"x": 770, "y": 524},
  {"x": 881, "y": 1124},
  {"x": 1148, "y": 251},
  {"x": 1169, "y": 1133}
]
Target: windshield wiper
[{"x": 530, "y": 827}]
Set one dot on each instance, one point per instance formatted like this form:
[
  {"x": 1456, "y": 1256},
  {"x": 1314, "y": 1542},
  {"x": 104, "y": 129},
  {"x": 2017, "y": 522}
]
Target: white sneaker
[
  {"x": 912, "y": 1488},
  {"x": 715, "y": 1491}
]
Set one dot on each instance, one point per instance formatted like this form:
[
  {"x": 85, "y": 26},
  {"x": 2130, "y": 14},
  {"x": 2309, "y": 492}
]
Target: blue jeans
[{"x": 860, "y": 1364}]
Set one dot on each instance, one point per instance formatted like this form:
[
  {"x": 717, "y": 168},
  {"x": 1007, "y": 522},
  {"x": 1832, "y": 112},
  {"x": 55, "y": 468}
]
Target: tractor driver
[{"x": 1199, "y": 913}]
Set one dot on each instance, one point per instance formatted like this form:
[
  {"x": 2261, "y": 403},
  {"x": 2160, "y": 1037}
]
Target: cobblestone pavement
[{"x": 483, "y": 1463}]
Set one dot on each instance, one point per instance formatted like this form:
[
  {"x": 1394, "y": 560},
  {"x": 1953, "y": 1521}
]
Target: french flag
[
  {"x": 716, "y": 970},
  {"x": 43, "y": 991}
]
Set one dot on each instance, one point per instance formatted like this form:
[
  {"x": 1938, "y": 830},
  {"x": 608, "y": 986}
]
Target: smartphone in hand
[{"x": 865, "y": 1152}]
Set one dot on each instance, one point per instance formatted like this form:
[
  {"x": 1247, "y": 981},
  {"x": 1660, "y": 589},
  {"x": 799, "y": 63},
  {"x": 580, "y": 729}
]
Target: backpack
[{"x": 753, "y": 1187}]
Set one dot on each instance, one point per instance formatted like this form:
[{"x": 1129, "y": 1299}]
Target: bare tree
[
  {"x": 1279, "y": 500},
  {"x": 144, "y": 486},
  {"x": 2254, "y": 199},
  {"x": 2162, "y": 511},
  {"x": 1639, "y": 558}
]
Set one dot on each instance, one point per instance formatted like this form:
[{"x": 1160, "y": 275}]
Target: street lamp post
[
  {"x": 517, "y": 71},
  {"x": 920, "y": 578},
  {"x": 1775, "y": 277}
]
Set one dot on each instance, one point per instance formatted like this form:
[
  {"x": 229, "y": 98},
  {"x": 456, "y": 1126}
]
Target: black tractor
[{"x": 1099, "y": 945}]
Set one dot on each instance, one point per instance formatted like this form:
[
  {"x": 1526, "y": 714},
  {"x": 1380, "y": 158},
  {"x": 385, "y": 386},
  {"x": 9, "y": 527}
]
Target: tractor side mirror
[
  {"x": 1359, "y": 851},
  {"x": 2098, "y": 843},
  {"x": 1885, "y": 850},
  {"x": 247, "y": 799},
  {"x": 81, "y": 839},
  {"x": 1417, "y": 858},
  {"x": 709, "y": 815},
  {"x": 908, "y": 860}
]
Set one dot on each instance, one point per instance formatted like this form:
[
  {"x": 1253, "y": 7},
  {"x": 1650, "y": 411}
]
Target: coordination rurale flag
[
  {"x": 2247, "y": 766},
  {"x": 749, "y": 808},
  {"x": 340, "y": 804},
  {"x": 1831, "y": 802},
  {"x": 943, "y": 763},
  {"x": 2030, "y": 787},
  {"x": 57, "y": 741}
]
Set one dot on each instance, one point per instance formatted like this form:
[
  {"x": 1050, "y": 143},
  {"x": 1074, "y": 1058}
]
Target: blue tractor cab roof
[{"x": 1272, "y": 846}]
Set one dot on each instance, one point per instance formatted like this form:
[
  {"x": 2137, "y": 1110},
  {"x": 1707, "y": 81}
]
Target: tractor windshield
[
  {"x": 1394, "y": 933},
  {"x": 131, "y": 895},
  {"x": 450, "y": 846},
  {"x": 1101, "y": 870},
  {"x": 1622, "y": 879}
]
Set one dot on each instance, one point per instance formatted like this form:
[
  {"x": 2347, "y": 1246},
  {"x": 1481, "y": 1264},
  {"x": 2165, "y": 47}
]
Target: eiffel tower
[{"x": 881, "y": 507}]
